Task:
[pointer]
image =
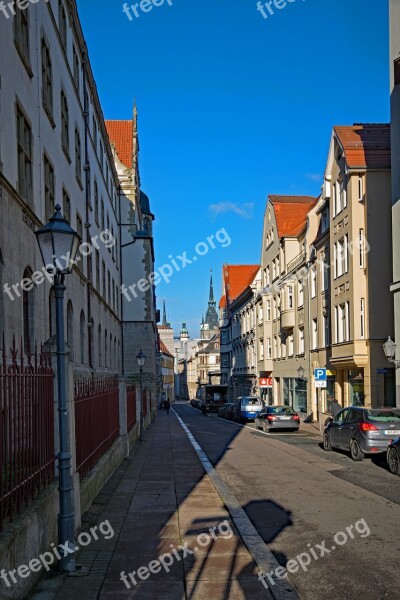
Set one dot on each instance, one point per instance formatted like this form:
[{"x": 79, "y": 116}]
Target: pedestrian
[
  {"x": 167, "y": 406},
  {"x": 335, "y": 408}
]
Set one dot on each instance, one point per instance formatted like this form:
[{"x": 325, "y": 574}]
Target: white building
[{"x": 54, "y": 149}]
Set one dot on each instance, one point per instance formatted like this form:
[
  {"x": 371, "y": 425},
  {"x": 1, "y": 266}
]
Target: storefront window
[
  {"x": 356, "y": 388},
  {"x": 295, "y": 393},
  {"x": 330, "y": 393}
]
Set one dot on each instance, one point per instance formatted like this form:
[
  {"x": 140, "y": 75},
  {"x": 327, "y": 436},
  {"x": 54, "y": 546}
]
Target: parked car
[
  {"x": 393, "y": 456},
  {"x": 277, "y": 417},
  {"x": 247, "y": 408},
  {"x": 362, "y": 430},
  {"x": 226, "y": 411}
]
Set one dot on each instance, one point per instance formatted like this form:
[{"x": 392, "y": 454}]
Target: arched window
[
  {"x": 52, "y": 313},
  {"x": 82, "y": 337},
  {"x": 70, "y": 330},
  {"x": 28, "y": 311},
  {"x": 100, "y": 346},
  {"x": 105, "y": 348}
]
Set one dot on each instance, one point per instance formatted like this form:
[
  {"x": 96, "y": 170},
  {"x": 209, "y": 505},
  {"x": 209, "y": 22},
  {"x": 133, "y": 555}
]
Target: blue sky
[{"x": 233, "y": 107}]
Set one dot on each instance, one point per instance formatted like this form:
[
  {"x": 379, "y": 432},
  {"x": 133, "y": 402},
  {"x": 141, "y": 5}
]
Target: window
[
  {"x": 273, "y": 270},
  {"x": 78, "y": 157},
  {"x": 343, "y": 195},
  {"x": 361, "y": 245},
  {"x": 300, "y": 293},
  {"x": 101, "y": 155},
  {"x": 268, "y": 311},
  {"x": 341, "y": 252},
  {"x": 94, "y": 128},
  {"x": 314, "y": 334},
  {"x": 49, "y": 191},
  {"x": 283, "y": 348},
  {"x": 100, "y": 346},
  {"x": 342, "y": 316},
  {"x": 290, "y": 345},
  {"x": 290, "y": 296},
  {"x": 24, "y": 137},
  {"x": 268, "y": 277},
  {"x": 261, "y": 350},
  {"x": 66, "y": 205},
  {"x": 21, "y": 32},
  {"x": 225, "y": 362},
  {"x": 96, "y": 202},
  {"x": 28, "y": 311},
  {"x": 301, "y": 340},
  {"x": 64, "y": 122},
  {"x": 325, "y": 221},
  {"x": 269, "y": 348},
  {"x": 104, "y": 279},
  {"x": 313, "y": 282},
  {"x": 102, "y": 214},
  {"x": 75, "y": 61},
  {"x": 47, "y": 77},
  {"x": 70, "y": 330},
  {"x": 361, "y": 196},
  {"x": 109, "y": 288},
  {"x": 98, "y": 270},
  {"x": 62, "y": 24},
  {"x": 362, "y": 318},
  {"x": 338, "y": 197},
  {"x": 224, "y": 337},
  {"x": 82, "y": 331}
]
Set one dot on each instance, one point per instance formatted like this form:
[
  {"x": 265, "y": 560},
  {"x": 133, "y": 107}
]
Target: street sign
[
  {"x": 320, "y": 374},
  {"x": 266, "y": 382},
  {"x": 381, "y": 371},
  {"x": 321, "y": 383}
]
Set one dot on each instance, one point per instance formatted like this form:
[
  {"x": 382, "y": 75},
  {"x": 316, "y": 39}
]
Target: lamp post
[
  {"x": 58, "y": 244},
  {"x": 141, "y": 359},
  {"x": 300, "y": 372},
  {"x": 389, "y": 348}
]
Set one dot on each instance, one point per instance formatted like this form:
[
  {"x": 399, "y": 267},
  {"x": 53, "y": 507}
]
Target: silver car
[
  {"x": 362, "y": 430},
  {"x": 277, "y": 417}
]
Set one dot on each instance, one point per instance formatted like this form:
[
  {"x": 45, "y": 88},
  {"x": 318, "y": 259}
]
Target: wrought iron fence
[
  {"x": 131, "y": 406},
  {"x": 26, "y": 428},
  {"x": 96, "y": 420}
]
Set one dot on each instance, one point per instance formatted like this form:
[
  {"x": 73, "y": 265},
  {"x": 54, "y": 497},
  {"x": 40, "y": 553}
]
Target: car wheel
[
  {"x": 264, "y": 427},
  {"x": 355, "y": 450},
  {"x": 326, "y": 442},
  {"x": 393, "y": 461}
]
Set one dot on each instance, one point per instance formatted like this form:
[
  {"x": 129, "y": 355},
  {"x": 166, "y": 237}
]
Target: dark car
[
  {"x": 277, "y": 417},
  {"x": 393, "y": 456},
  {"x": 362, "y": 430}
]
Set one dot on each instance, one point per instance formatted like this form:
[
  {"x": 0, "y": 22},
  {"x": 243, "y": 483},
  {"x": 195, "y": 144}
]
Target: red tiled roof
[
  {"x": 121, "y": 136},
  {"x": 236, "y": 279},
  {"x": 365, "y": 144},
  {"x": 291, "y": 213},
  {"x": 164, "y": 349}
]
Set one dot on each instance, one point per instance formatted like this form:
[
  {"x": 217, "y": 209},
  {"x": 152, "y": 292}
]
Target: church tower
[{"x": 210, "y": 325}]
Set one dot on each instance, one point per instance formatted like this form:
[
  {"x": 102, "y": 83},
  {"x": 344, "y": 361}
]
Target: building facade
[
  {"x": 54, "y": 149},
  {"x": 167, "y": 373},
  {"x": 394, "y": 21}
]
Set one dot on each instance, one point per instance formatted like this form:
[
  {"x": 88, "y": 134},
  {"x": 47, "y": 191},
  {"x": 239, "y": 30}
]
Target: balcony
[{"x": 288, "y": 319}]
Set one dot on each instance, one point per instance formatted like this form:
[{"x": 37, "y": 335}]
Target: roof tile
[
  {"x": 121, "y": 136},
  {"x": 291, "y": 213},
  {"x": 365, "y": 144},
  {"x": 236, "y": 279}
]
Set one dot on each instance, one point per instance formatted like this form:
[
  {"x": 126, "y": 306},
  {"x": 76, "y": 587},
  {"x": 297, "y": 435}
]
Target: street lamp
[
  {"x": 300, "y": 372},
  {"x": 141, "y": 359},
  {"x": 59, "y": 242},
  {"x": 389, "y": 348}
]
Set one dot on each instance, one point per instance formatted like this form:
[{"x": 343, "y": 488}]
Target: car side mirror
[{"x": 330, "y": 419}]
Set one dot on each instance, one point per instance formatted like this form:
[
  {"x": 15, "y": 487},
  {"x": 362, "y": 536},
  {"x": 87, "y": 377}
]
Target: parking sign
[{"x": 320, "y": 378}]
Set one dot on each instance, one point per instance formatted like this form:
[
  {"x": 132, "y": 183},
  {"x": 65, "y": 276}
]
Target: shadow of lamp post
[{"x": 58, "y": 244}]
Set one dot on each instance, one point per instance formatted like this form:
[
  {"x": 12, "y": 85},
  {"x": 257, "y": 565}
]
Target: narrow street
[{"x": 296, "y": 494}]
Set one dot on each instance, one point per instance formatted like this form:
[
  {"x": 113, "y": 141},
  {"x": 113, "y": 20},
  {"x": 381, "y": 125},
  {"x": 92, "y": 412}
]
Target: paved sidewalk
[{"x": 161, "y": 498}]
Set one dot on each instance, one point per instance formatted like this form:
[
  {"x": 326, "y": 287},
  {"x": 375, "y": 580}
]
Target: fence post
[{"x": 123, "y": 417}]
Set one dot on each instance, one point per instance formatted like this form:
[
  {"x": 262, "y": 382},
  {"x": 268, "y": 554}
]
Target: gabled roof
[
  {"x": 291, "y": 213},
  {"x": 164, "y": 349},
  {"x": 121, "y": 136},
  {"x": 365, "y": 144},
  {"x": 236, "y": 278}
]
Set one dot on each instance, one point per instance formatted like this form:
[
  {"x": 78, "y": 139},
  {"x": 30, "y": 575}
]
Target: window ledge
[
  {"x": 49, "y": 115},
  {"x": 24, "y": 59}
]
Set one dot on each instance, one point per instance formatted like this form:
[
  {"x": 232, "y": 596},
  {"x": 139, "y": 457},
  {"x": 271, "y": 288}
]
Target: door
[
  {"x": 336, "y": 428},
  {"x": 349, "y": 427}
]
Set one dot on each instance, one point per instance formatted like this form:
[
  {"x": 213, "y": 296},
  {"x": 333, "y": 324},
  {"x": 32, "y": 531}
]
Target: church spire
[
  {"x": 211, "y": 298},
  {"x": 164, "y": 320},
  {"x": 211, "y": 323}
]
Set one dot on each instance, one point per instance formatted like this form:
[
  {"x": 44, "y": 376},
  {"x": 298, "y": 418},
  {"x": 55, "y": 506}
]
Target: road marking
[{"x": 262, "y": 555}]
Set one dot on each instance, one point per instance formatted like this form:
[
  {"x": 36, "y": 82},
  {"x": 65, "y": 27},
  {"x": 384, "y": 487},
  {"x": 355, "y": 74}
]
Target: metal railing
[
  {"x": 96, "y": 420},
  {"x": 26, "y": 428}
]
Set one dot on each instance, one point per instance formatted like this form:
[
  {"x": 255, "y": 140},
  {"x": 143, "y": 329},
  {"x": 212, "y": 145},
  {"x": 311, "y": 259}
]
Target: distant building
[{"x": 167, "y": 373}]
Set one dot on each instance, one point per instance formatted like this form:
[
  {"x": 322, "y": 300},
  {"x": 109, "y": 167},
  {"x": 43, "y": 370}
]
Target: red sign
[{"x": 266, "y": 382}]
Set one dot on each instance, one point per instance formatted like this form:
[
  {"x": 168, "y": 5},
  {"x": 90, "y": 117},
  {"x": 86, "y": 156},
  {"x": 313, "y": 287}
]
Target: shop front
[
  {"x": 295, "y": 393},
  {"x": 356, "y": 387},
  {"x": 266, "y": 390}
]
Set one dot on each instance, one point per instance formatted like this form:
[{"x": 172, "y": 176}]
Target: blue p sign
[{"x": 320, "y": 374}]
